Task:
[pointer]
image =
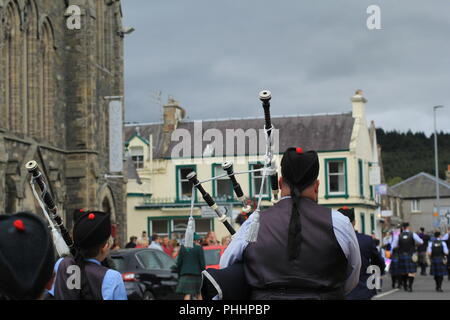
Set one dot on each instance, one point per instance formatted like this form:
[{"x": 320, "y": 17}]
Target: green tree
[
  {"x": 394, "y": 181},
  {"x": 407, "y": 154}
]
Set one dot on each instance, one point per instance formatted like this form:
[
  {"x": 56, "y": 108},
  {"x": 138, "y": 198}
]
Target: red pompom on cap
[
  {"x": 345, "y": 208},
  {"x": 91, "y": 216},
  {"x": 18, "y": 224},
  {"x": 299, "y": 150},
  {"x": 81, "y": 210}
]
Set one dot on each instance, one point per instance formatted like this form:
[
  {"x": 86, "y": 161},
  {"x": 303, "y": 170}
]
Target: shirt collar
[{"x": 94, "y": 261}]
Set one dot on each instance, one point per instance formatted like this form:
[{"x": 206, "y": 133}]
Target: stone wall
[{"x": 53, "y": 105}]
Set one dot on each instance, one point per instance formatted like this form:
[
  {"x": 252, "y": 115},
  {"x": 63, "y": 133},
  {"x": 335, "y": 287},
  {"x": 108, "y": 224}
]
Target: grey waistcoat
[
  {"x": 94, "y": 274},
  {"x": 320, "y": 270}
]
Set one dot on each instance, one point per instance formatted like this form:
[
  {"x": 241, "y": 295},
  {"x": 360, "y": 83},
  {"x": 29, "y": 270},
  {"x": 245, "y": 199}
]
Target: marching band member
[
  {"x": 422, "y": 250},
  {"x": 406, "y": 244},
  {"x": 446, "y": 238},
  {"x": 437, "y": 249},
  {"x": 303, "y": 250},
  {"x": 25, "y": 273},
  {"x": 91, "y": 234},
  {"x": 393, "y": 270},
  {"x": 369, "y": 256}
]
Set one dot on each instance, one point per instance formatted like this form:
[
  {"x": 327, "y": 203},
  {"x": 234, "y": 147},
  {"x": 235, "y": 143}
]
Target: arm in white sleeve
[
  {"x": 235, "y": 249},
  {"x": 429, "y": 246},
  {"x": 417, "y": 239},
  {"x": 394, "y": 242},
  {"x": 444, "y": 246},
  {"x": 346, "y": 237}
]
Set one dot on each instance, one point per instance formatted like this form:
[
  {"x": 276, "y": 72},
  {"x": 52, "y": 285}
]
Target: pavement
[{"x": 424, "y": 288}]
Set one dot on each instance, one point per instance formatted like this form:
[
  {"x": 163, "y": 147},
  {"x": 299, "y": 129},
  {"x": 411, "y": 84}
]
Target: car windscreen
[
  {"x": 119, "y": 263},
  {"x": 148, "y": 260},
  {"x": 212, "y": 257},
  {"x": 166, "y": 261}
]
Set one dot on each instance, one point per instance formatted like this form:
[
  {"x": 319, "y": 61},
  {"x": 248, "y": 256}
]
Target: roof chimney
[
  {"x": 173, "y": 114},
  {"x": 359, "y": 105}
]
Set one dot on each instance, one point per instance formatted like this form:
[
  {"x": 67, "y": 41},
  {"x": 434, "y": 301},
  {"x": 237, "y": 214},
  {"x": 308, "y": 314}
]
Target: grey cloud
[{"x": 214, "y": 57}]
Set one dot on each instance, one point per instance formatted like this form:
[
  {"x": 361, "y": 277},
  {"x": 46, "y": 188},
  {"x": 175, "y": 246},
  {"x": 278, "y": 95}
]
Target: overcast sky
[{"x": 215, "y": 56}]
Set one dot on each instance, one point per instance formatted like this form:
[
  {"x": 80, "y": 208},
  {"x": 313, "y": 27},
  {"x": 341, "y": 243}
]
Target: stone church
[{"x": 57, "y": 85}]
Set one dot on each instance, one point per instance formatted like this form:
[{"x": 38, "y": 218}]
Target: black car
[{"x": 148, "y": 274}]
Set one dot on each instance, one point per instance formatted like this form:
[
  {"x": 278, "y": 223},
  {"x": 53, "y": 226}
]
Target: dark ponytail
[
  {"x": 299, "y": 171},
  {"x": 86, "y": 290},
  {"x": 295, "y": 227}
]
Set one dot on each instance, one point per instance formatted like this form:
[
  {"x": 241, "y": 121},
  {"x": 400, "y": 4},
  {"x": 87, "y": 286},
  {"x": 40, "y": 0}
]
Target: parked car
[
  {"x": 213, "y": 255},
  {"x": 148, "y": 274}
]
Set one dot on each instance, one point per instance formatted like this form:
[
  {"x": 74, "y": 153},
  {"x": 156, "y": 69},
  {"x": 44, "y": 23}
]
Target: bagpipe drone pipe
[
  {"x": 61, "y": 237},
  {"x": 230, "y": 283},
  {"x": 269, "y": 169}
]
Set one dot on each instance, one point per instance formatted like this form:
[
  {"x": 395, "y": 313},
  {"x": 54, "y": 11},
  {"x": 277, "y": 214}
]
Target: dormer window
[{"x": 137, "y": 156}]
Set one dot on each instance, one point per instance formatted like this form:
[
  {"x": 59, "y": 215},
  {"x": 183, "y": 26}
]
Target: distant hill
[{"x": 406, "y": 154}]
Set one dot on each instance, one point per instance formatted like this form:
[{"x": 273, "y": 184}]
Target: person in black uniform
[
  {"x": 437, "y": 250},
  {"x": 27, "y": 256},
  {"x": 407, "y": 267},
  {"x": 446, "y": 238},
  {"x": 91, "y": 236},
  {"x": 396, "y": 277},
  {"x": 369, "y": 256},
  {"x": 303, "y": 250},
  {"x": 422, "y": 251}
]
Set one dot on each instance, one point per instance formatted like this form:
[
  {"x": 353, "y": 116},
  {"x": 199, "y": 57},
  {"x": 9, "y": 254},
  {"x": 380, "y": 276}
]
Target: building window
[
  {"x": 178, "y": 227},
  {"x": 11, "y": 66},
  {"x": 137, "y": 156},
  {"x": 361, "y": 178},
  {"x": 222, "y": 187},
  {"x": 175, "y": 227},
  {"x": 256, "y": 180},
  {"x": 159, "y": 227},
  {"x": 184, "y": 186},
  {"x": 336, "y": 177},
  {"x": 372, "y": 223},
  {"x": 47, "y": 81},
  {"x": 363, "y": 222},
  {"x": 415, "y": 205}
]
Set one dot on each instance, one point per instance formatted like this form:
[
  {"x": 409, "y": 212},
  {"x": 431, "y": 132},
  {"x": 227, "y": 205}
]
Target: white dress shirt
[
  {"x": 415, "y": 236},
  {"x": 444, "y": 246}
]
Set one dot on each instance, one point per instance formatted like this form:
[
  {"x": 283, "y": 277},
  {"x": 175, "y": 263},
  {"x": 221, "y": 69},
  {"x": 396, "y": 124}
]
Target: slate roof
[
  {"x": 422, "y": 185},
  {"x": 330, "y": 132}
]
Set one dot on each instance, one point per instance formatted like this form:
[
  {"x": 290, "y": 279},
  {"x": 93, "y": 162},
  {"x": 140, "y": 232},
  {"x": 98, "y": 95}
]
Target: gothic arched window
[
  {"x": 30, "y": 76},
  {"x": 100, "y": 18},
  {"x": 11, "y": 66},
  {"x": 47, "y": 81}
]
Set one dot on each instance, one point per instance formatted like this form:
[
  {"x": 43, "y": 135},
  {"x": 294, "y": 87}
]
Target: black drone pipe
[
  {"x": 265, "y": 96},
  {"x": 34, "y": 170},
  {"x": 192, "y": 177},
  {"x": 274, "y": 185},
  {"x": 228, "y": 167}
]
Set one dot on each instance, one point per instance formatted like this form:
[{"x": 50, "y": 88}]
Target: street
[{"x": 423, "y": 289}]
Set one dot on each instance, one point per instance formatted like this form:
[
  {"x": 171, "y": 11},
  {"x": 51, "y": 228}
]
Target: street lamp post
[{"x": 436, "y": 165}]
